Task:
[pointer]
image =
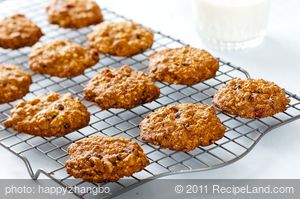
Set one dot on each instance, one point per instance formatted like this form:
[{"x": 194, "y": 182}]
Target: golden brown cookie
[
  {"x": 17, "y": 31},
  {"x": 185, "y": 65},
  {"x": 62, "y": 58},
  {"x": 102, "y": 158},
  {"x": 74, "y": 13},
  {"x": 182, "y": 127},
  {"x": 121, "y": 88},
  {"x": 49, "y": 115},
  {"x": 120, "y": 38},
  {"x": 251, "y": 98},
  {"x": 14, "y": 83}
]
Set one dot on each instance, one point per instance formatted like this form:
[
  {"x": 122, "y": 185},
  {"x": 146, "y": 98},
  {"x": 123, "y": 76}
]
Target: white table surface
[{"x": 277, "y": 59}]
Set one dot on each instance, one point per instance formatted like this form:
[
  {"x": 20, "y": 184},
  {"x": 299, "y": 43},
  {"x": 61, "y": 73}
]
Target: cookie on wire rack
[
  {"x": 49, "y": 115},
  {"x": 182, "y": 127},
  {"x": 251, "y": 98},
  {"x": 103, "y": 158},
  {"x": 74, "y": 13},
  {"x": 120, "y": 38},
  {"x": 17, "y": 31},
  {"x": 121, "y": 88},
  {"x": 185, "y": 65},
  {"x": 62, "y": 58},
  {"x": 14, "y": 83}
]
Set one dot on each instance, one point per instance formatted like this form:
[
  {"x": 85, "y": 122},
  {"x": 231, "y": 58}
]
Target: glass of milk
[{"x": 231, "y": 24}]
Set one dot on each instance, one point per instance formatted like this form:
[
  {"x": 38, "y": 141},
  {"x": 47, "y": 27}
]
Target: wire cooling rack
[{"x": 47, "y": 155}]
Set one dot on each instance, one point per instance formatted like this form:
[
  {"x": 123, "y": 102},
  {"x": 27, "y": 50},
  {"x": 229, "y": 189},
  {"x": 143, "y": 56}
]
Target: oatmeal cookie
[
  {"x": 62, "y": 58},
  {"x": 102, "y": 158},
  {"x": 121, "y": 88},
  {"x": 17, "y": 31},
  {"x": 14, "y": 83},
  {"x": 182, "y": 127},
  {"x": 251, "y": 98},
  {"x": 185, "y": 65},
  {"x": 49, "y": 115},
  {"x": 120, "y": 38},
  {"x": 74, "y": 13}
]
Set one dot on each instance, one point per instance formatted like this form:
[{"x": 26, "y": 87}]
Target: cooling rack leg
[
  {"x": 33, "y": 175},
  {"x": 36, "y": 175}
]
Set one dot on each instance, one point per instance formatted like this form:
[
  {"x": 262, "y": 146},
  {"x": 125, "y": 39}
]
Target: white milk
[{"x": 231, "y": 24}]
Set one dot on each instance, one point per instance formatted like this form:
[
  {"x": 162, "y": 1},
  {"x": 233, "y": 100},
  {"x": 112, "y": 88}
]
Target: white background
[{"x": 277, "y": 59}]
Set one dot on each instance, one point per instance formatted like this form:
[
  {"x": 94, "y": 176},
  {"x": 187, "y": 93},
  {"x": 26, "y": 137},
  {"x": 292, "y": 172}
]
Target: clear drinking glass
[{"x": 231, "y": 24}]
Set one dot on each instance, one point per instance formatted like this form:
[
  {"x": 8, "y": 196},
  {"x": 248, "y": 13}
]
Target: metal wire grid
[{"x": 50, "y": 153}]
